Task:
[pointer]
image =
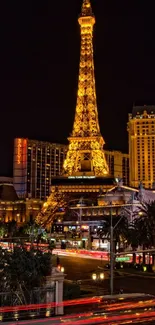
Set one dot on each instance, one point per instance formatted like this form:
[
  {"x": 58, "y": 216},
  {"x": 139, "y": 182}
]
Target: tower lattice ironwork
[{"x": 85, "y": 153}]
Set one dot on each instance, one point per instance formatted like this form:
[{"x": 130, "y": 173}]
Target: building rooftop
[
  {"x": 7, "y": 192},
  {"x": 6, "y": 180},
  {"x": 139, "y": 110}
]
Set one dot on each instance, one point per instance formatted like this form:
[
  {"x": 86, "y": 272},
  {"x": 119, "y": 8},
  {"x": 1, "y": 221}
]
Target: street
[
  {"x": 140, "y": 318},
  {"x": 82, "y": 269}
]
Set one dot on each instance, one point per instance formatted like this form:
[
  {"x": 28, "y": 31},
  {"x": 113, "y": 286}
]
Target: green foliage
[
  {"x": 142, "y": 231},
  {"x": 33, "y": 230},
  {"x": 145, "y": 225},
  {"x": 133, "y": 236},
  {"x": 8, "y": 229},
  {"x": 3, "y": 229},
  {"x": 23, "y": 270},
  {"x": 139, "y": 233},
  {"x": 30, "y": 230},
  {"x": 12, "y": 228},
  {"x": 120, "y": 225}
]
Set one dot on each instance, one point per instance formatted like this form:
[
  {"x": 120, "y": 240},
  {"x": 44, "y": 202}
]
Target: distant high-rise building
[
  {"x": 118, "y": 163},
  {"x": 35, "y": 163},
  {"x": 141, "y": 131}
]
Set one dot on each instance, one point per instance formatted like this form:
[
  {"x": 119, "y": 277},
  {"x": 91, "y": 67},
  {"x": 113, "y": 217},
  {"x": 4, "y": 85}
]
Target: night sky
[{"x": 39, "y": 58}]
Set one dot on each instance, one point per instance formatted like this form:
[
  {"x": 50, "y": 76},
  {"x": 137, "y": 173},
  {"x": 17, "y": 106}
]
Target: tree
[
  {"x": 3, "y": 229},
  {"x": 120, "y": 225},
  {"x": 35, "y": 232},
  {"x": 12, "y": 228},
  {"x": 145, "y": 224},
  {"x": 133, "y": 239},
  {"x": 22, "y": 271}
]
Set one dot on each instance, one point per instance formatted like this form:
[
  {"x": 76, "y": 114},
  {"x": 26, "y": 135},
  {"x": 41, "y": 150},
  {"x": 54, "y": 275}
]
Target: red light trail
[{"x": 50, "y": 305}]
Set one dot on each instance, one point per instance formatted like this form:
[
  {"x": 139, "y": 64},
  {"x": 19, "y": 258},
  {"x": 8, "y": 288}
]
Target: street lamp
[
  {"x": 62, "y": 269},
  {"x": 111, "y": 253},
  {"x": 94, "y": 276},
  {"x": 99, "y": 276}
]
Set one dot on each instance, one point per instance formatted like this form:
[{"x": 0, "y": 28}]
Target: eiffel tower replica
[
  {"x": 85, "y": 170},
  {"x": 85, "y": 154}
]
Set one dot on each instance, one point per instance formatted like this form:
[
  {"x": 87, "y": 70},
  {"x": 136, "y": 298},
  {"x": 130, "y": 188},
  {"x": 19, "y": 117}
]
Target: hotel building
[
  {"x": 141, "y": 134},
  {"x": 34, "y": 165},
  {"x": 36, "y": 162},
  {"x": 118, "y": 163},
  {"x": 14, "y": 208}
]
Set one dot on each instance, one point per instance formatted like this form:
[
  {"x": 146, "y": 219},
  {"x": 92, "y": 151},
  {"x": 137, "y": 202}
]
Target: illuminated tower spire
[
  {"x": 86, "y": 8},
  {"x": 85, "y": 153}
]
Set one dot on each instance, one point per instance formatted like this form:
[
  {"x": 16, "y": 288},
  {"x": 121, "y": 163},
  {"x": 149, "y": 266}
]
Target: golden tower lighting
[
  {"x": 85, "y": 157},
  {"x": 85, "y": 154}
]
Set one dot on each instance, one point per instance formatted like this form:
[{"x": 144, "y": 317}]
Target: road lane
[{"x": 82, "y": 269}]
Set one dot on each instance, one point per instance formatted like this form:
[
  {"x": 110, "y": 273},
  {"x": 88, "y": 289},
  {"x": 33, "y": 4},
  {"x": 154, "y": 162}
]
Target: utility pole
[
  {"x": 80, "y": 216},
  {"x": 111, "y": 252}
]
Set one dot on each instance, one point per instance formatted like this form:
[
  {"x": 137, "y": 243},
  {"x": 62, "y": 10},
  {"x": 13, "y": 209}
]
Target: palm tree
[
  {"x": 120, "y": 224},
  {"x": 142, "y": 234},
  {"x": 145, "y": 224},
  {"x": 133, "y": 239}
]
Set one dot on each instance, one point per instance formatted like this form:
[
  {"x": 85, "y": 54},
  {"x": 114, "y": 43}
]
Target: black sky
[{"x": 39, "y": 57}]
